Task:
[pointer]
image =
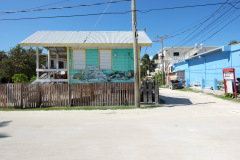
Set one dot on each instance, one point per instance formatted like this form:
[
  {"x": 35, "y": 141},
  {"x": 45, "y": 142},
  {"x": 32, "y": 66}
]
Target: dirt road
[{"x": 190, "y": 127}]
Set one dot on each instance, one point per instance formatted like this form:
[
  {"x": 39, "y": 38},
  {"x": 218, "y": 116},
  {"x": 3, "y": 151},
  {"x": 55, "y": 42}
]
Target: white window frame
[
  {"x": 74, "y": 58},
  {"x": 99, "y": 59}
]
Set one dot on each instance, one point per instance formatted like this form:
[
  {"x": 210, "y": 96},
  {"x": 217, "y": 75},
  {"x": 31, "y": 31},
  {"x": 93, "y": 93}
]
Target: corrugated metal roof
[{"x": 78, "y": 37}]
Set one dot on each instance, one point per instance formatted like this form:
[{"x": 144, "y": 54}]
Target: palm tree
[{"x": 147, "y": 64}]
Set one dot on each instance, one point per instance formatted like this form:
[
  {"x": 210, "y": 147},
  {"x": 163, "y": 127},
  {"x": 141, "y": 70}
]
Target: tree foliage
[
  {"x": 233, "y": 42},
  {"x": 159, "y": 78},
  {"x": 20, "y": 78},
  {"x": 147, "y": 64},
  {"x": 19, "y": 61}
]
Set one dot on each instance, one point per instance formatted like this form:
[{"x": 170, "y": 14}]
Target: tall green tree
[
  {"x": 147, "y": 64},
  {"x": 20, "y": 61},
  {"x": 2, "y": 54}
]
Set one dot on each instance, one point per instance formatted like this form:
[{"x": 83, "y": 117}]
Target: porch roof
[{"x": 84, "y": 38}]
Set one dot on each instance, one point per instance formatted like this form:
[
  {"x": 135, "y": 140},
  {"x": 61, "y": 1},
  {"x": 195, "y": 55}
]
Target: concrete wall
[{"x": 209, "y": 65}]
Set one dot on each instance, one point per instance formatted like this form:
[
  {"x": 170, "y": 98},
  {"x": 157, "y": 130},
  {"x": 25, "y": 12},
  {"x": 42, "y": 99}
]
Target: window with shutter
[
  {"x": 105, "y": 59},
  {"x": 79, "y": 59}
]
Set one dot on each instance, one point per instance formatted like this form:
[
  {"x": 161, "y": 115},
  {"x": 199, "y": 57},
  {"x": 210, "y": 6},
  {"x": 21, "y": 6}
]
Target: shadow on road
[
  {"x": 173, "y": 101},
  {"x": 4, "y": 124}
]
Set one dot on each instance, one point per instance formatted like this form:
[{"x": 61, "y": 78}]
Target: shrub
[
  {"x": 229, "y": 95},
  {"x": 159, "y": 78},
  {"x": 33, "y": 79},
  {"x": 20, "y": 78}
]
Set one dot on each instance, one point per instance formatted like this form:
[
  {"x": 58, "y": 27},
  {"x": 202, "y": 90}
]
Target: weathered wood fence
[
  {"x": 46, "y": 95},
  {"x": 150, "y": 91}
]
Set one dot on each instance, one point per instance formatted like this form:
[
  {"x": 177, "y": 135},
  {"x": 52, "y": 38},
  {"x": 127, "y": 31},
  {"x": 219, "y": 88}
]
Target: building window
[
  {"x": 175, "y": 53},
  {"x": 60, "y": 64},
  {"x": 79, "y": 59},
  {"x": 105, "y": 59},
  {"x": 52, "y": 64}
]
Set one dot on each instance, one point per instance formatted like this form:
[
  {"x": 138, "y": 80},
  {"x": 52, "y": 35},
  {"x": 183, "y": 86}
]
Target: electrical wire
[
  {"x": 47, "y": 9},
  {"x": 97, "y": 21},
  {"x": 217, "y": 24},
  {"x": 112, "y": 13},
  {"x": 221, "y": 28},
  {"x": 188, "y": 37},
  {"x": 214, "y": 24},
  {"x": 44, "y": 5}
]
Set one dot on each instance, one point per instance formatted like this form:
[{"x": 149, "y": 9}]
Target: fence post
[
  {"x": 181, "y": 84},
  {"x": 156, "y": 91},
  {"x": 144, "y": 91},
  {"x": 21, "y": 100},
  {"x": 214, "y": 85},
  {"x": 187, "y": 83},
  {"x": 39, "y": 95},
  {"x": 202, "y": 84},
  {"x": 150, "y": 85},
  {"x": 69, "y": 95}
]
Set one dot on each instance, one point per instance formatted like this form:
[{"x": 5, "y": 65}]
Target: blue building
[{"x": 208, "y": 66}]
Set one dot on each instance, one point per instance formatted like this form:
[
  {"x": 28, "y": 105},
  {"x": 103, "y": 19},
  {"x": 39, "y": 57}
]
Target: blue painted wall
[{"x": 209, "y": 66}]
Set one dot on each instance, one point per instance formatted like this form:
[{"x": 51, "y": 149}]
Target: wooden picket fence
[
  {"x": 58, "y": 95},
  {"x": 150, "y": 91}
]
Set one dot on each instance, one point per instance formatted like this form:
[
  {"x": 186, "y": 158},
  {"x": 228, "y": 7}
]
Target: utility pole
[
  {"x": 135, "y": 49},
  {"x": 162, "y": 58}
]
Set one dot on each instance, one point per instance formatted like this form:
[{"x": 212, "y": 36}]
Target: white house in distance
[{"x": 175, "y": 54}]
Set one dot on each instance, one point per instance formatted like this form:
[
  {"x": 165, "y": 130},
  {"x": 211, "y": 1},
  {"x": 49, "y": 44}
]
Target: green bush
[
  {"x": 159, "y": 78},
  {"x": 33, "y": 79},
  {"x": 229, "y": 95},
  {"x": 20, "y": 78}
]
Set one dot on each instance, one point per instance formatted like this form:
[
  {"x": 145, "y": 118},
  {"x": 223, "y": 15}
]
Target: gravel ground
[{"x": 191, "y": 126}]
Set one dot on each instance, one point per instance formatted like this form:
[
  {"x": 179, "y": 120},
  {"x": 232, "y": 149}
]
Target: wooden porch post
[
  {"x": 49, "y": 63},
  {"x": 37, "y": 62},
  {"x": 57, "y": 63}
]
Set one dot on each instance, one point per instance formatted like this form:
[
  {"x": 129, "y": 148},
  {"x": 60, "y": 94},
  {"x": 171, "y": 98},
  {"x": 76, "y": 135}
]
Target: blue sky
[{"x": 156, "y": 22}]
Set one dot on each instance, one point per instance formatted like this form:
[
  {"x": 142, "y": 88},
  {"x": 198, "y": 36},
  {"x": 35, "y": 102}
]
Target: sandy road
[{"x": 190, "y": 127}]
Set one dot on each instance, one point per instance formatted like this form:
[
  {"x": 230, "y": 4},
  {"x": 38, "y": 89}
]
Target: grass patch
[
  {"x": 145, "y": 106},
  {"x": 166, "y": 86},
  {"x": 190, "y": 90},
  {"x": 224, "y": 97},
  {"x": 215, "y": 95}
]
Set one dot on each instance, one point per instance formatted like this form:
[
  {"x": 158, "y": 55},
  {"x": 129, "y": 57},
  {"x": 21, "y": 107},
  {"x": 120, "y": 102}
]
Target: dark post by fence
[
  {"x": 145, "y": 92},
  {"x": 21, "y": 96},
  {"x": 150, "y": 93},
  {"x": 69, "y": 95},
  {"x": 156, "y": 91}
]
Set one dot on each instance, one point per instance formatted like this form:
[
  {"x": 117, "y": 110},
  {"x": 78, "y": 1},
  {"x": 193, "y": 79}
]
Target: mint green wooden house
[{"x": 87, "y": 57}]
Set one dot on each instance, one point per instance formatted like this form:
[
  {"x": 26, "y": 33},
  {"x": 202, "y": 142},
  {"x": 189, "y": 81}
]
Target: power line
[
  {"x": 79, "y": 15},
  {"x": 44, "y": 5},
  {"x": 221, "y": 18},
  {"x": 47, "y": 9},
  {"x": 221, "y": 28},
  {"x": 216, "y": 22},
  {"x": 97, "y": 21},
  {"x": 185, "y": 40},
  {"x": 49, "y": 4},
  {"x": 211, "y": 16},
  {"x": 199, "y": 5},
  {"x": 112, "y": 13}
]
